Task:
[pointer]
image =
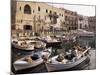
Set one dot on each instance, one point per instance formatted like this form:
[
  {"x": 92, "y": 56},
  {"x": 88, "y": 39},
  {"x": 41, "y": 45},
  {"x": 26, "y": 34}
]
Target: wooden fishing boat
[
  {"x": 54, "y": 65},
  {"x": 27, "y": 62},
  {"x": 33, "y": 60}
]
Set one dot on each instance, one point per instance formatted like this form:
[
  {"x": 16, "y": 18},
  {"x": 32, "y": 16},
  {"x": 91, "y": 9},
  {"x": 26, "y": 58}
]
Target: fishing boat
[
  {"x": 27, "y": 62},
  {"x": 32, "y": 60},
  {"x": 51, "y": 42},
  {"x": 23, "y": 47},
  {"x": 28, "y": 45},
  {"x": 53, "y": 65}
]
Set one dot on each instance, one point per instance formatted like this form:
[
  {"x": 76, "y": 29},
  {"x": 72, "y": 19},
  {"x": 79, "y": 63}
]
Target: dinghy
[{"x": 54, "y": 65}]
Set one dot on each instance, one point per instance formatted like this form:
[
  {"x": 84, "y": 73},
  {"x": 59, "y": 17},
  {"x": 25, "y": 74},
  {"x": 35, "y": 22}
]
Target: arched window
[
  {"x": 46, "y": 10},
  {"x": 39, "y": 9},
  {"x": 33, "y": 11},
  {"x": 80, "y": 26},
  {"x": 50, "y": 11},
  {"x": 27, "y": 9},
  {"x": 20, "y": 8}
]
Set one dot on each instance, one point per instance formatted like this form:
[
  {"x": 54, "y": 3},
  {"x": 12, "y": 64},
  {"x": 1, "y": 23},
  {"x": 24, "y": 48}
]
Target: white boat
[
  {"x": 27, "y": 62},
  {"x": 28, "y": 45},
  {"x": 23, "y": 47},
  {"x": 54, "y": 65},
  {"x": 50, "y": 42}
]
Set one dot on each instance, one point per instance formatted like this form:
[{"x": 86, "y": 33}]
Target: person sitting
[
  {"x": 28, "y": 59},
  {"x": 60, "y": 58},
  {"x": 68, "y": 55},
  {"x": 72, "y": 53}
]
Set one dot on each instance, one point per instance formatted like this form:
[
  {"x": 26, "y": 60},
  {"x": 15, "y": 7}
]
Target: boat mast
[{"x": 52, "y": 19}]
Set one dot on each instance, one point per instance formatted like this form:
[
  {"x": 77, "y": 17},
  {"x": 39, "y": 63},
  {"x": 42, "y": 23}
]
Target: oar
[{"x": 83, "y": 53}]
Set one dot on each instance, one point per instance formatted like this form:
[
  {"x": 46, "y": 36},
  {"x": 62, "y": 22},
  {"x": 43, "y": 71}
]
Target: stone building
[
  {"x": 13, "y": 13},
  {"x": 83, "y": 22},
  {"x": 71, "y": 20},
  {"x": 35, "y": 16},
  {"x": 92, "y": 23}
]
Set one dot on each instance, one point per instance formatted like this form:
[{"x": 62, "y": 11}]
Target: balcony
[{"x": 54, "y": 15}]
